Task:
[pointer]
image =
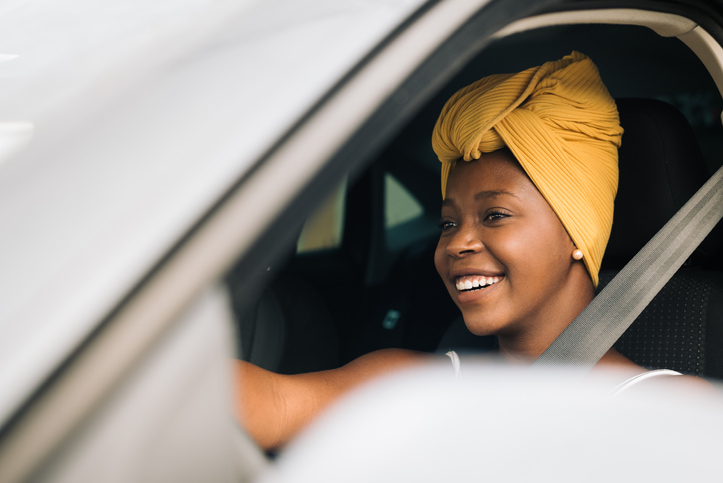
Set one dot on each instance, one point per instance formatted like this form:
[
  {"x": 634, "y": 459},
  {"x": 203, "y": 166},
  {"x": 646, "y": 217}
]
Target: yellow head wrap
[{"x": 561, "y": 124}]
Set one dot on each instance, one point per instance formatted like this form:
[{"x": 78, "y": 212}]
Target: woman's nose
[{"x": 464, "y": 242}]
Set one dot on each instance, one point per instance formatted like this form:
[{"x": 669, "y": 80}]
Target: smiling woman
[
  {"x": 502, "y": 244},
  {"x": 525, "y": 221},
  {"x": 541, "y": 224}
]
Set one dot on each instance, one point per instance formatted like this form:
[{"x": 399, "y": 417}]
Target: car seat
[
  {"x": 661, "y": 166},
  {"x": 287, "y": 328}
]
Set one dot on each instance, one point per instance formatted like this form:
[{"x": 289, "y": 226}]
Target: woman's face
[{"x": 503, "y": 254}]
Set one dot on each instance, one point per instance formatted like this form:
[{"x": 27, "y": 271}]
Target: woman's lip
[{"x": 455, "y": 274}]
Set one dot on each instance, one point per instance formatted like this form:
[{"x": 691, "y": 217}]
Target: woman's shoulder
[{"x": 638, "y": 376}]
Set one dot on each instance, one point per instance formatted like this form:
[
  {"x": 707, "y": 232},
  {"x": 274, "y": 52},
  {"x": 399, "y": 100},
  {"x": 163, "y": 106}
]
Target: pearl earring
[{"x": 577, "y": 254}]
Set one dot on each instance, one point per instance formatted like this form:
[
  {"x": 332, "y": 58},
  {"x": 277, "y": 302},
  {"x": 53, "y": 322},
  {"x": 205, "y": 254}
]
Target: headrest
[{"x": 661, "y": 167}]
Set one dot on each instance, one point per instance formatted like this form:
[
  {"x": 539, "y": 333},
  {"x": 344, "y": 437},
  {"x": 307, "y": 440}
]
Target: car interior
[{"x": 362, "y": 276}]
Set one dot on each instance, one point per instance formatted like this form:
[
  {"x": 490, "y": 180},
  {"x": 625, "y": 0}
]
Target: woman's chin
[{"x": 479, "y": 326}]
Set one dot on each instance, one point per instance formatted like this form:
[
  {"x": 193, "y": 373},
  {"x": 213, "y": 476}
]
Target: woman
[
  {"x": 538, "y": 205},
  {"x": 529, "y": 175}
]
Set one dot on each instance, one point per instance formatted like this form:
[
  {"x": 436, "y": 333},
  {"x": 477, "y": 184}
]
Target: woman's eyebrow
[{"x": 493, "y": 194}]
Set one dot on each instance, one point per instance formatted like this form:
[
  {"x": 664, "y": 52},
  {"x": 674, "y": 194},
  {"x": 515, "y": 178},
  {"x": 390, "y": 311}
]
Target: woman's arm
[{"x": 274, "y": 407}]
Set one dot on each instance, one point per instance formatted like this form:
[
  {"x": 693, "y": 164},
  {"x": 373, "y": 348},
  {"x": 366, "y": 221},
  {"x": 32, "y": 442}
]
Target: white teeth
[{"x": 477, "y": 282}]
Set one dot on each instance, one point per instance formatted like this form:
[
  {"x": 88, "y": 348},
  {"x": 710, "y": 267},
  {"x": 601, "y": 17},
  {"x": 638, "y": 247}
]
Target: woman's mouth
[{"x": 470, "y": 283}]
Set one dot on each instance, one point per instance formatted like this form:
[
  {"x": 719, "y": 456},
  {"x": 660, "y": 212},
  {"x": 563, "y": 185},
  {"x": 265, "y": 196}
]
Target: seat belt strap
[{"x": 583, "y": 343}]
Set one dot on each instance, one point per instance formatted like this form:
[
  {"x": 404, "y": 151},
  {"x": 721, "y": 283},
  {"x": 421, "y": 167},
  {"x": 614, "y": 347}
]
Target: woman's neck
[{"x": 526, "y": 342}]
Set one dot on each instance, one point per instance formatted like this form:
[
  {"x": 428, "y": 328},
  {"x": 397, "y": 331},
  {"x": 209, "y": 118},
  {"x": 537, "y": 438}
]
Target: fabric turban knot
[{"x": 561, "y": 124}]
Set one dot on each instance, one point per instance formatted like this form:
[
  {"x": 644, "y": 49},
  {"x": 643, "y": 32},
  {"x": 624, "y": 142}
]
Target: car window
[
  {"x": 406, "y": 221},
  {"x": 323, "y": 229},
  {"x": 399, "y": 205}
]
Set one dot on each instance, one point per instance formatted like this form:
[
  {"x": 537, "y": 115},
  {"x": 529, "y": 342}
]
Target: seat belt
[{"x": 583, "y": 343}]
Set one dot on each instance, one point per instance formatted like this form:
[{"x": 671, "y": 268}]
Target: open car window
[{"x": 391, "y": 207}]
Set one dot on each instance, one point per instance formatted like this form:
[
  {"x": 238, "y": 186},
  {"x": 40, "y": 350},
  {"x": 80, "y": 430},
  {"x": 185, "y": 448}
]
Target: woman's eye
[
  {"x": 495, "y": 216},
  {"x": 445, "y": 225}
]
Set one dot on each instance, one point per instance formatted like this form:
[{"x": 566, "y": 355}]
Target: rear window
[
  {"x": 400, "y": 206},
  {"x": 323, "y": 229}
]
